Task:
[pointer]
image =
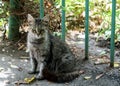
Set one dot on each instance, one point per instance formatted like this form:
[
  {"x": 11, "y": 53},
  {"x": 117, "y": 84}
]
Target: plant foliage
[{"x": 100, "y": 14}]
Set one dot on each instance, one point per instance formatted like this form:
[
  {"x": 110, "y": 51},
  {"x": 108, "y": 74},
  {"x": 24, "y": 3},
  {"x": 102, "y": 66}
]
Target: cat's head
[{"x": 38, "y": 26}]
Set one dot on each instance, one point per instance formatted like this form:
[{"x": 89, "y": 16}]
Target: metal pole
[
  {"x": 63, "y": 20},
  {"x": 112, "y": 46},
  {"x": 41, "y": 9},
  {"x": 86, "y": 28},
  {"x": 14, "y": 21}
]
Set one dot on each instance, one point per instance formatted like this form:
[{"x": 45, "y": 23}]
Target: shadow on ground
[{"x": 14, "y": 65}]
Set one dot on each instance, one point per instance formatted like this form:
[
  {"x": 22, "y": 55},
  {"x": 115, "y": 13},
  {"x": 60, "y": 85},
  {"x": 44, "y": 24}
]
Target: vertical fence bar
[
  {"x": 14, "y": 21},
  {"x": 112, "y": 46},
  {"x": 63, "y": 20},
  {"x": 41, "y": 9},
  {"x": 86, "y": 28}
]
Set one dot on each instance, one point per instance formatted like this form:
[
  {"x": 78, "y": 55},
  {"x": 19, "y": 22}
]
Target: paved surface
[{"x": 14, "y": 68}]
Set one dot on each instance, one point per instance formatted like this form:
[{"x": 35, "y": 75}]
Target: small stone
[
  {"x": 1, "y": 69},
  {"x": 7, "y": 82},
  {"x": 11, "y": 55},
  {"x": 66, "y": 84},
  {"x": 3, "y": 50},
  {"x": 13, "y": 51}
]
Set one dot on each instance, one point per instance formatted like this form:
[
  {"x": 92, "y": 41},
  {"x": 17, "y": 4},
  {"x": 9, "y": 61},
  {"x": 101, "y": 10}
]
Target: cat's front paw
[{"x": 39, "y": 77}]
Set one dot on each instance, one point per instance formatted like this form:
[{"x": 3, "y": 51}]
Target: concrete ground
[
  {"x": 13, "y": 70},
  {"x": 14, "y": 65}
]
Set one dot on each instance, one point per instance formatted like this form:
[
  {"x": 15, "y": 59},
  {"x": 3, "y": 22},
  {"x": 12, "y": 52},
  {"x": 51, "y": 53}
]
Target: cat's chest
[{"x": 37, "y": 41}]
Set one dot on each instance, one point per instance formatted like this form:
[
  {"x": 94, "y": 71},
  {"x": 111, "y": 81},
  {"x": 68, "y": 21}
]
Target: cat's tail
[{"x": 61, "y": 77}]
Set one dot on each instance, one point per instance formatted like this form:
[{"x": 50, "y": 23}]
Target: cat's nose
[{"x": 38, "y": 34}]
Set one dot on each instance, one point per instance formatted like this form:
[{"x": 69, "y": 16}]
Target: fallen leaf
[
  {"x": 102, "y": 53},
  {"x": 102, "y": 60},
  {"x": 19, "y": 82},
  {"x": 116, "y": 65},
  {"x": 14, "y": 66},
  {"x": 21, "y": 47},
  {"x": 25, "y": 81},
  {"x": 24, "y": 57},
  {"x": 29, "y": 80},
  {"x": 7, "y": 81},
  {"x": 87, "y": 77},
  {"x": 1, "y": 69},
  {"x": 99, "y": 76}
]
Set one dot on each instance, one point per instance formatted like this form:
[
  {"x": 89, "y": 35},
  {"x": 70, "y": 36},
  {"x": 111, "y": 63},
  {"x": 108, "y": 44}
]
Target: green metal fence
[
  {"x": 14, "y": 21},
  {"x": 112, "y": 47},
  {"x": 63, "y": 20},
  {"x": 41, "y": 8},
  {"x": 87, "y": 27}
]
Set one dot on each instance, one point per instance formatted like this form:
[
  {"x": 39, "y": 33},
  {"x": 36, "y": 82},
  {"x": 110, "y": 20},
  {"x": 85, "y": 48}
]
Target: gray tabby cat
[{"x": 53, "y": 57}]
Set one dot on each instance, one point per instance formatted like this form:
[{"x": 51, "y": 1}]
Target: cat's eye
[
  {"x": 34, "y": 31},
  {"x": 30, "y": 24},
  {"x": 41, "y": 32}
]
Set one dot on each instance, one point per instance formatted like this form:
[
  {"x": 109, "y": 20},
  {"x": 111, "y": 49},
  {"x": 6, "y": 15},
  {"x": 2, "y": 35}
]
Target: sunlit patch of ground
[{"x": 14, "y": 65}]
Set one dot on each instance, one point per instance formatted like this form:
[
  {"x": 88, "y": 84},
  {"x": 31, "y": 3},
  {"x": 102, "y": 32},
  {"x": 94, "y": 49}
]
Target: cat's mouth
[{"x": 38, "y": 34}]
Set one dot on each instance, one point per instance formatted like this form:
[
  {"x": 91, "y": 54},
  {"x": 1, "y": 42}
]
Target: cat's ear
[
  {"x": 30, "y": 18},
  {"x": 46, "y": 18}
]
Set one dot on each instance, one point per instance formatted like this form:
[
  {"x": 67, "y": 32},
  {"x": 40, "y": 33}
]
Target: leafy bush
[
  {"x": 100, "y": 11},
  {"x": 3, "y": 14},
  {"x": 105, "y": 28}
]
